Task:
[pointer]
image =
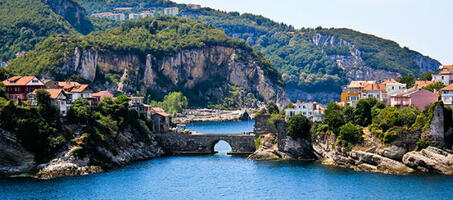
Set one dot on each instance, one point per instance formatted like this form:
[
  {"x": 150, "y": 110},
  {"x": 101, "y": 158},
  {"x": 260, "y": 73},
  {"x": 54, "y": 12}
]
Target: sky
[{"x": 425, "y": 26}]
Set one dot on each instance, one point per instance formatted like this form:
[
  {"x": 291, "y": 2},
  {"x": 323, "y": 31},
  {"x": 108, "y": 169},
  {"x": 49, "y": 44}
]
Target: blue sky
[{"x": 425, "y": 26}]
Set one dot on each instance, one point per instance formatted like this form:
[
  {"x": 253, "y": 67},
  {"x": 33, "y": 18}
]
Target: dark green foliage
[
  {"x": 363, "y": 112},
  {"x": 3, "y": 93},
  {"x": 299, "y": 126},
  {"x": 4, "y": 74},
  {"x": 435, "y": 86},
  {"x": 349, "y": 135},
  {"x": 348, "y": 113},
  {"x": 290, "y": 105},
  {"x": 39, "y": 135},
  {"x": 409, "y": 80},
  {"x": 427, "y": 76},
  {"x": 333, "y": 117},
  {"x": 421, "y": 144},
  {"x": 272, "y": 108},
  {"x": 276, "y": 118},
  {"x": 392, "y": 117},
  {"x": 26, "y": 23}
]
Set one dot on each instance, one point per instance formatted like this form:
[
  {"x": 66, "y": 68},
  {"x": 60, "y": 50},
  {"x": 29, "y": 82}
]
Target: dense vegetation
[
  {"x": 27, "y": 23},
  {"x": 386, "y": 123},
  {"x": 304, "y": 65},
  {"x": 173, "y": 103},
  {"x": 40, "y": 131},
  {"x": 162, "y": 36}
]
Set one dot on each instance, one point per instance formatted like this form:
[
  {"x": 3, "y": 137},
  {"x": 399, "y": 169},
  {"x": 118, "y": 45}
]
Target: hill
[
  {"x": 311, "y": 60},
  {"x": 26, "y": 23},
  {"x": 154, "y": 56}
]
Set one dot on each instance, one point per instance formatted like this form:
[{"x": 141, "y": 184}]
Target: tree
[
  {"x": 348, "y": 113},
  {"x": 3, "y": 92},
  {"x": 45, "y": 107},
  {"x": 174, "y": 102},
  {"x": 363, "y": 113},
  {"x": 434, "y": 86},
  {"x": 299, "y": 126},
  {"x": 81, "y": 111},
  {"x": 333, "y": 117},
  {"x": 409, "y": 80},
  {"x": 427, "y": 76},
  {"x": 3, "y": 74},
  {"x": 349, "y": 135},
  {"x": 290, "y": 105},
  {"x": 272, "y": 108}
]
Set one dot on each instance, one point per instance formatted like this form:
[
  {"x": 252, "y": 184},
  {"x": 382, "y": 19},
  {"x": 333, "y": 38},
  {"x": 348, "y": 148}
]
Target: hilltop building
[
  {"x": 445, "y": 75},
  {"x": 447, "y": 95},
  {"x": 312, "y": 111},
  {"x": 19, "y": 87},
  {"x": 193, "y": 6},
  {"x": 415, "y": 96},
  {"x": 58, "y": 98},
  {"x": 173, "y": 11},
  {"x": 114, "y": 16}
]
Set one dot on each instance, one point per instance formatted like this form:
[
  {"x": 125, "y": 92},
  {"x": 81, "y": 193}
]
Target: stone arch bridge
[{"x": 197, "y": 143}]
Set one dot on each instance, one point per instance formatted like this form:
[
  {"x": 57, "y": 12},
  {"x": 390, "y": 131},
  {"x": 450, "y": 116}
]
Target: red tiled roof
[
  {"x": 448, "y": 88},
  {"x": 54, "y": 93},
  {"x": 447, "y": 67},
  {"x": 80, "y": 88},
  {"x": 102, "y": 94},
  {"x": 446, "y": 72},
  {"x": 159, "y": 111},
  {"x": 18, "y": 81},
  {"x": 421, "y": 84},
  {"x": 375, "y": 87}
]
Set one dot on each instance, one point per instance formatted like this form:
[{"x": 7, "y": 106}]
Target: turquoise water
[
  {"x": 222, "y": 127},
  {"x": 224, "y": 177}
]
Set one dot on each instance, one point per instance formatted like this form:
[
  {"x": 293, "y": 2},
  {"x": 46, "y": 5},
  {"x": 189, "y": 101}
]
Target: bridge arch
[{"x": 219, "y": 141}]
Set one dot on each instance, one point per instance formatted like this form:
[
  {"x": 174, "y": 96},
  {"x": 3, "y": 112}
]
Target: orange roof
[
  {"x": 446, "y": 72},
  {"x": 102, "y": 94},
  {"x": 18, "y": 81},
  {"x": 159, "y": 111},
  {"x": 79, "y": 88},
  {"x": 54, "y": 93},
  {"x": 421, "y": 84},
  {"x": 375, "y": 87},
  {"x": 390, "y": 81},
  {"x": 68, "y": 84},
  {"x": 447, "y": 67},
  {"x": 449, "y": 88}
]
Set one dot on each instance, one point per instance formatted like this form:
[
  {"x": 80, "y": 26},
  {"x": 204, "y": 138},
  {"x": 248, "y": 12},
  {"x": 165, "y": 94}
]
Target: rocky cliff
[
  {"x": 352, "y": 62},
  {"x": 203, "y": 71},
  {"x": 73, "y": 13}
]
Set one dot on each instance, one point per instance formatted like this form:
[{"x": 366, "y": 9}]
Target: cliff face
[
  {"x": 13, "y": 157},
  {"x": 355, "y": 67},
  {"x": 203, "y": 71},
  {"x": 73, "y": 13}
]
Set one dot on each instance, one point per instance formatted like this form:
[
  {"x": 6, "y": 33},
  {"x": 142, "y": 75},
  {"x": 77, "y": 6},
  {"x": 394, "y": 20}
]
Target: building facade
[
  {"x": 312, "y": 111},
  {"x": 447, "y": 95},
  {"x": 418, "y": 97},
  {"x": 173, "y": 11},
  {"x": 445, "y": 75},
  {"x": 19, "y": 87}
]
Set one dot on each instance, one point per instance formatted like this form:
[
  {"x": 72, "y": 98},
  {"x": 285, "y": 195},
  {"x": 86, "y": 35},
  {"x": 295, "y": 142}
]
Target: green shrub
[
  {"x": 257, "y": 143},
  {"x": 299, "y": 126},
  {"x": 349, "y": 136}
]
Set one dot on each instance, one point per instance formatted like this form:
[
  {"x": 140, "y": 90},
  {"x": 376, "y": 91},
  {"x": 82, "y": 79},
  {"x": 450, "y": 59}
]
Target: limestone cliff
[
  {"x": 356, "y": 68},
  {"x": 73, "y": 13},
  {"x": 13, "y": 157},
  {"x": 203, "y": 71}
]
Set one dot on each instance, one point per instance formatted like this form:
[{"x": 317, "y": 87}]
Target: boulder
[{"x": 431, "y": 159}]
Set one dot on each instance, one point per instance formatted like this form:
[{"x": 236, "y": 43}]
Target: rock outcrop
[
  {"x": 268, "y": 149},
  {"x": 73, "y": 13},
  {"x": 196, "y": 70},
  {"x": 127, "y": 149},
  {"x": 13, "y": 157},
  {"x": 431, "y": 159},
  {"x": 211, "y": 115}
]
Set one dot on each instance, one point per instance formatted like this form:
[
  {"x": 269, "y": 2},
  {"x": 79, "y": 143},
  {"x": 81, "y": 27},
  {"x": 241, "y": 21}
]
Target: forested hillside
[
  {"x": 26, "y": 23},
  {"x": 311, "y": 60}
]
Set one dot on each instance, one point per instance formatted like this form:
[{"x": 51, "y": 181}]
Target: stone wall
[
  {"x": 178, "y": 143},
  {"x": 262, "y": 126}
]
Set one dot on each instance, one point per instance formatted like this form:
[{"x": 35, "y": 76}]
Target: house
[
  {"x": 133, "y": 16},
  {"x": 123, "y": 9},
  {"x": 445, "y": 75},
  {"x": 147, "y": 14},
  {"x": 173, "y": 11},
  {"x": 114, "y": 16},
  {"x": 420, "y": 84},
  {"x": 447, "y": 95},
  {"x": 312, "y": 111},
  {"x": 393, "y": 87},
  {"x": 19, "y": 86},
  {"x": 415, "y": 96},
  {"x": 98, "y": 96},
  {"x": 161, "y": 119},
  {"x": 376, "y": 90},
  {"x": 58, "y": 98},
  {"x": 74, "y": 90},
  {"x": 351, "y": 93},
  {"x": 193, "y": 6}
]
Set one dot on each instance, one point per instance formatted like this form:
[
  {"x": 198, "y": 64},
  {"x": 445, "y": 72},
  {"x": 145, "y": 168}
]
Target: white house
[
  {"x": 447, "y": 95},
  {"x": 445, "y": 75},
  {"x": 393, "y": 87},
  {"x": 313, "y": 111},
  {"x": 58, "y": 98},
  {"x": 173, "y": 11}
]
